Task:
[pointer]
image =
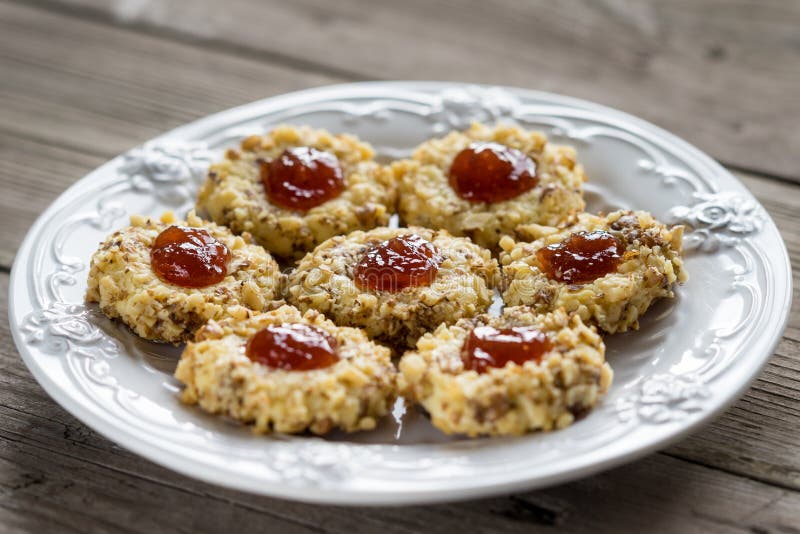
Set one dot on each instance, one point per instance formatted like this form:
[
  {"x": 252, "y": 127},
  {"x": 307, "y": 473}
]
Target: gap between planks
[
  {"x": 275, "y": 57},
  {"x": 520, "y": 511},
  {"x": 654, "y": 59}
]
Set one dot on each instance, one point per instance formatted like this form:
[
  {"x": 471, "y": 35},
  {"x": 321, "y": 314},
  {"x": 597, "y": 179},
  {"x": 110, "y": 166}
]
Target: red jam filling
[
  {"x": 189, "y": 257},
  {"x": 401, "y": 262},
  {"x": 302, "y": 178},
  {"x": 293, "y": 347},
  {"x": 487, "y": 346},
  {"x": 491, "y": 172},
  {"x": 581, "y": 257}
]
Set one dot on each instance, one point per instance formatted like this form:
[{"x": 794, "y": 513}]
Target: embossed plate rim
[{"x": 406, "y": 491}]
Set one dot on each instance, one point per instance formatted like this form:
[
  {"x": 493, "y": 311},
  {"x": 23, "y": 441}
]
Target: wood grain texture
[
  {"x": 76, "y": 90},
  {"x": 100, "y": 90},
  {"x": 56, "y": 474},
  {"x": 77, "y": 93},
  {"x": 36, "y": 171},
  {"x": 723, "y": 74},
  {"x": 33, "y": 175}
]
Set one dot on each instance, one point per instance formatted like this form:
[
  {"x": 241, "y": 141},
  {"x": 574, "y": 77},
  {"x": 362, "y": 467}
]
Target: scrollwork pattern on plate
[
  {"x": 169, "y": 171},
  {"x": 318, "y": 462},
  {"x": 106, "y": 212},
  {"x": 68, "y": 329},
  {"x": 717, "y": 219},
  {"x": 457, "y": 107},
  {"x": 664, "y": 398}
]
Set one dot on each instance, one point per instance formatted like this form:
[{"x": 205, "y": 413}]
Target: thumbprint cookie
[
  {"x": 507, "y": 375},
  {"x": 484, "y": 182},
  {"x": 293, "y": 188},
  {"x": 608, "y": 269},
  {"x": 396, "y": 283},
  {"x": 285, "y": 371},
  {"x": 166, "y": 278}
]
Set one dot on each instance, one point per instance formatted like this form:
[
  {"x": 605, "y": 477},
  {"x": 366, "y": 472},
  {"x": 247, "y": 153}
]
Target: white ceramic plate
[{"x": 692, "y": 357}]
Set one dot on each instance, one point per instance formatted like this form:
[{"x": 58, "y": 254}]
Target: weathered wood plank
[
  {"x": 77, "y": 93},
  {"x": 56, "y": 473},
  {"x": 33, "y": 174},
  {"x": 99, "y": 90},
  {"x": 722, "y": 74},
  {"x": 39, "y": 161},
  {"x": 50, "y": 489},
  {"x": 51, "y": 476},
  {"x": 102, "y": 90}
]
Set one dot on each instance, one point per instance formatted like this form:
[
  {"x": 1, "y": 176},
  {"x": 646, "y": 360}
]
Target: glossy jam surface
[
  {"x": 302, "y": 178},
  {"x": 582, "y": 257},
  {"x": 491, "y": 172},
  {"x": 189, "y": 257},
  {"x": 401, "y": 262},
  {"x": 487, "y": 346},
  {"x": 293, "y": 347}
]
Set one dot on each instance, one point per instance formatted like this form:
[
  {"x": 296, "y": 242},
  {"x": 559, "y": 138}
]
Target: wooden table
[{"x": 83, "y": 80}]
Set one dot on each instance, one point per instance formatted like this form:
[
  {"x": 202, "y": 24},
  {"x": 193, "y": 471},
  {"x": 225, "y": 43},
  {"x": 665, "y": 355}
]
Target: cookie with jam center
[
  {"x": 608, "y": 269},
  {"x": 484, "y": 182},
  {"x": 508, "y": 375},
  {"x": 295, "y": 187},
  {"x": 287, "y": 371},
  {"x": 165, "y": 278},
  {"x": 395, "y": 283}
]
